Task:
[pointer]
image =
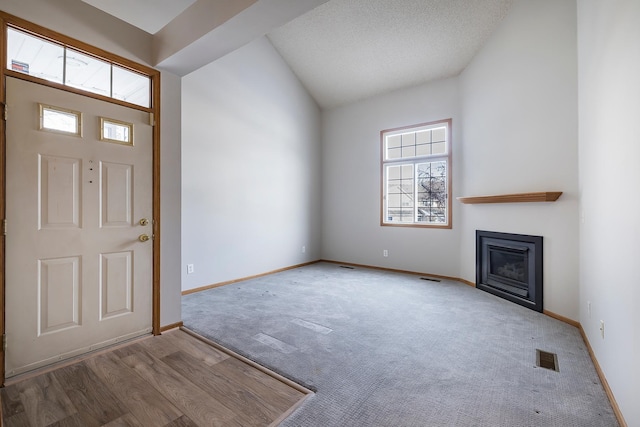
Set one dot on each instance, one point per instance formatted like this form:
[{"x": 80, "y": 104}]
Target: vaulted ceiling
[{"x": 341, "y": 50}]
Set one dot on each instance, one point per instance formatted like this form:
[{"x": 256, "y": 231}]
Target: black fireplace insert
[{"x": 510, "y": 266}]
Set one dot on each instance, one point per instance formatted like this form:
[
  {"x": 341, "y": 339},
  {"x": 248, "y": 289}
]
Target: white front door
[{"x": 77, "y": 275}]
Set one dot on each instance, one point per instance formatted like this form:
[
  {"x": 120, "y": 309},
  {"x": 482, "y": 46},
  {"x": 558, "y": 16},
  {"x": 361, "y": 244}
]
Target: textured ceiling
[
  {"x": 346, "y": 50},
  {"x": 342, "y": 50},
  {"x": 149, "y": 15}
]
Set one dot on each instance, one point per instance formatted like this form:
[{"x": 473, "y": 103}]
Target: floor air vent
[
  {"x": 347, "y": 267},
  {"x": 429, "y": 279},
  {"x": 547, "y": 360}
]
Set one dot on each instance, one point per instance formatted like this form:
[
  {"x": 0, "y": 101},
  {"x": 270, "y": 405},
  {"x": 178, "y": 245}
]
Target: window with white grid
[{"x": 416, "y": 175}]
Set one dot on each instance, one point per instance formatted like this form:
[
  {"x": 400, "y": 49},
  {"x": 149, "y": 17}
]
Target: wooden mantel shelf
[{"x": 543, "y": 196}]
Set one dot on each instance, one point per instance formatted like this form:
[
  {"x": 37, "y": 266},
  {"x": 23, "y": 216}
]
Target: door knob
[
  {"x": 143, "y": 237},
  {"x": 144, "y": 221}
]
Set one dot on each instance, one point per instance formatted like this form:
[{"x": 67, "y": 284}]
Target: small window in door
[
  {"x": 116, "y": 131},
  {"x": 56, "y": 119}
]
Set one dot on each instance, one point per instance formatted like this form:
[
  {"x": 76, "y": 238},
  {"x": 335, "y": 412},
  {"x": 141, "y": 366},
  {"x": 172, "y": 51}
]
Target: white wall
[
  {"x": 519, "y": 99},
  {"x": 83, "y": 22},
  {"x": 609, "y": 94},
  {"x": 251, "y": 156},
  {"x": 351, "y": 228},
  {"x": 170, "y": 200}
]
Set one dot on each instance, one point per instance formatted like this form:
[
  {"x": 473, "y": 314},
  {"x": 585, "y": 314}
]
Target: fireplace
[{"x": 510, "y": 266}]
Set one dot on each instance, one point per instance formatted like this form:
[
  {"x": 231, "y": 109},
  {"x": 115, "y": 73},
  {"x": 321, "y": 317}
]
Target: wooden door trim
[
  {"x": 156, "y": 204},
  {"x": 10, "y": 20}
]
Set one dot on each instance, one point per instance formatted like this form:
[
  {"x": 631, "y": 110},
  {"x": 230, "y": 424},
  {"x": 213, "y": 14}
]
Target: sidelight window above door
[{"x": 55, "y": 62}]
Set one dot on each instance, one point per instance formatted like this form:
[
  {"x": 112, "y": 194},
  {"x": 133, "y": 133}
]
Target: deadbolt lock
[
  {"x": 143, "y": 237},
  {"x": 144, "y": 221}
]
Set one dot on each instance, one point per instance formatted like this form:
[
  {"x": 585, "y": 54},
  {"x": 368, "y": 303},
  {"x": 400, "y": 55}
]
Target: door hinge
[
  {"x": 4, "y": 226},
  {"x": 4, "y": 342},
  {"x": 6, "y": 112},
  {"x": 152, "y": 119}
]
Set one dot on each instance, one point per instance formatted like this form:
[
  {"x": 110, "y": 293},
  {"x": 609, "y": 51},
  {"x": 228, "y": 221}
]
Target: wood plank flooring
[{"x": 172, "y": 380}]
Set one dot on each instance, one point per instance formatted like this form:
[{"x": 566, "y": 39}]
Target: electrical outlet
[
  {"x": 385, "y": 253},
  {"x": 190, "y": 269},
  {"x": 602, "y": 329},
  {"x": 304, "y": 249}
]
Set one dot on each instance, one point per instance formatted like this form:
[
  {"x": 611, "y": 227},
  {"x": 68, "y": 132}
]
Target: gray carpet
[{"x": 390, "y": 349}]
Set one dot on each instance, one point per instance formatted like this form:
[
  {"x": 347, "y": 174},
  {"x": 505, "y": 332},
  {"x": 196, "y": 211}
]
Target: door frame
[{"x": 7, "y": 20}]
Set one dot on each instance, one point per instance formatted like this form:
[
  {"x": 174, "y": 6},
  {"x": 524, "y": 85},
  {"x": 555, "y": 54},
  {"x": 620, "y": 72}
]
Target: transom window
[
  {"x": 416, "y": 175},
  {"x": 59, "y": 63}
]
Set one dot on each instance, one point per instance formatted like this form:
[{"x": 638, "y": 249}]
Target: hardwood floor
[{"x": 172, "y": 380}]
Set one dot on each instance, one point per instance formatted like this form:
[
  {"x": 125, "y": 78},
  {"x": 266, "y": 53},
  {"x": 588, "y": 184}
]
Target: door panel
[
  {"x": 116, "y": 284},
  {"x": 115, "y": 196},
  {"x": 77, "y": 276},
  {"x": 59, "y": 290},
  {"x": 59, "y": 192}
]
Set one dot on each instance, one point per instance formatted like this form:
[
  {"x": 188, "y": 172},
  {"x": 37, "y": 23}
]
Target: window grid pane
[
  {"x": 400, "y": 193},
  {"x": 131, "y": 87},
  {"x": 87, "y": 73},
  {"x": 424, "y": 142},
  {"x": 34, "y": 56},
  {"x": 431, "y": 182}
]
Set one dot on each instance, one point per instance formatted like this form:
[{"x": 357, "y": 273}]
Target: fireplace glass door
[{"x": 510, "y": 266}]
